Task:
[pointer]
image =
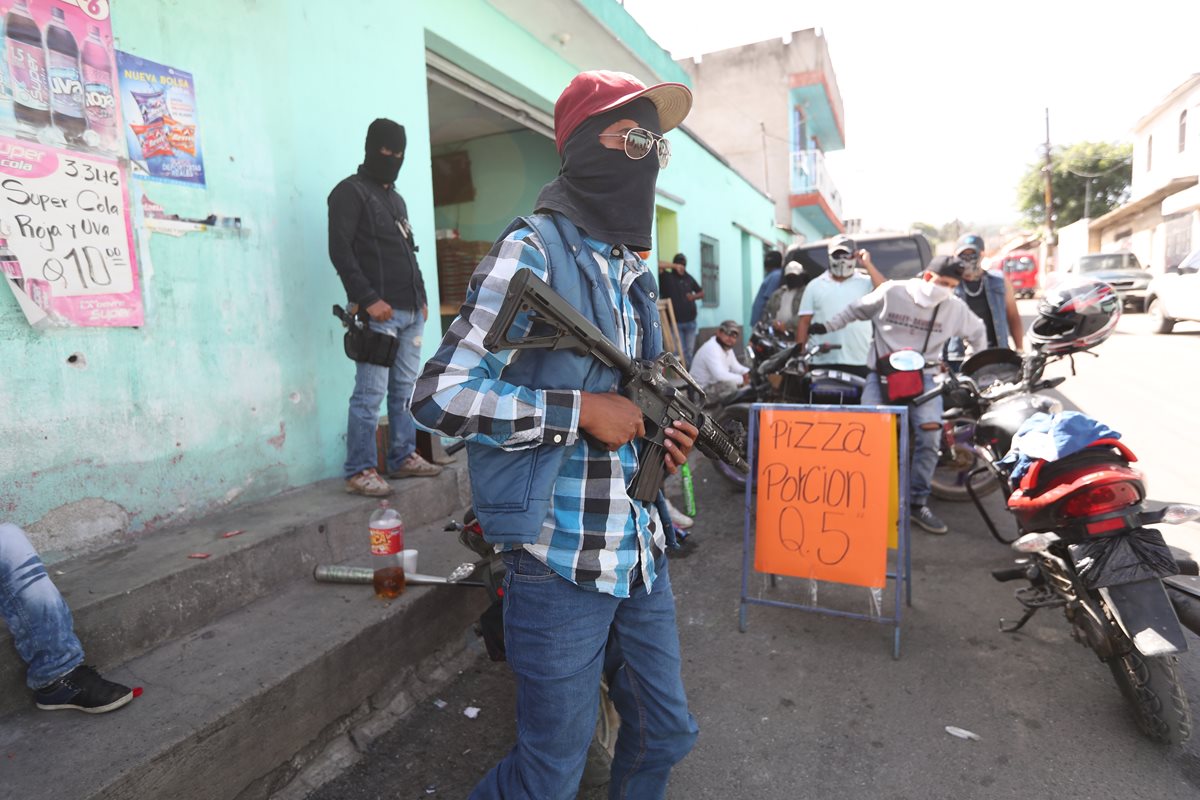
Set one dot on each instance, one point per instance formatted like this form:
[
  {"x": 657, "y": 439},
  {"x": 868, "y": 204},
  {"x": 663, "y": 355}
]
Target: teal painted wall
[
  {"x": 236, "y": 387},
  {"x": 508, "y": 171}
]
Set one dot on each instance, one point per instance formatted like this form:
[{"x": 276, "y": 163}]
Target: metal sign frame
[{"x": 903, "y": 574}]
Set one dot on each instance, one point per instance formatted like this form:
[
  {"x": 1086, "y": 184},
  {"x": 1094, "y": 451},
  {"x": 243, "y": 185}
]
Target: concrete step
[
  {"x": 237, "y": 706},
  {"x": 133, "y": 597}
]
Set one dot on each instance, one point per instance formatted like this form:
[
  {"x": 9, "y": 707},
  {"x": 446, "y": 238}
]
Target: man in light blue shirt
[{"x": 833, "y": 290}]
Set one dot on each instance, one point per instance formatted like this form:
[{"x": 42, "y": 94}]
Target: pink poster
[{"x": 66, "y": 235}]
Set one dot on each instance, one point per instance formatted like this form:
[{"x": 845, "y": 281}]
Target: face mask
[
  {"x": 793, "y": 281},
  {"x": 926, "y": 294},
  {"x": 604, "y": 191},
  {"x": 972, "y": 272},
  {"x": 382, "y": 168},
  {"x": 841, "y": 266}
]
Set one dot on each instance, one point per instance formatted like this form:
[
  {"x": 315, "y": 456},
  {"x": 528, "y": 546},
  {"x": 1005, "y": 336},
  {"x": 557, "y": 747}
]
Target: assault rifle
[{"x": 642, "y": 381}]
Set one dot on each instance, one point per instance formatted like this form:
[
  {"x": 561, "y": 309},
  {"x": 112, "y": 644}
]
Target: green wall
[
  {"x": 236, "y": 387},
  {"x": 508, "y": 170}
]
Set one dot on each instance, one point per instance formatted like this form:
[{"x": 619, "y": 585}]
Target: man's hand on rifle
[
  {"x": 611, "y": 419},
  {"x": 681, "y": 436}
]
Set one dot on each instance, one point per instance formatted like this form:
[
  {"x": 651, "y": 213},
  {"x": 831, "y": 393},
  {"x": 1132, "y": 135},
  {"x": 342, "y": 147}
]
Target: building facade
[
  {"x": 235, "y": 387},
  {"x": 774, "y": 109},
  {"x": 1161, "y": 222}
]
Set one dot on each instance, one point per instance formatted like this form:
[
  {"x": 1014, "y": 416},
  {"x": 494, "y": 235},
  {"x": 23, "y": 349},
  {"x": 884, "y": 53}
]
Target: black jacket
[
  {"x": 371, "y": 244},
  {"x": 676, "y": 287}
]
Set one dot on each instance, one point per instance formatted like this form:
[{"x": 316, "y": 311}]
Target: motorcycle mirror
[{"x": 906, "y": 360}]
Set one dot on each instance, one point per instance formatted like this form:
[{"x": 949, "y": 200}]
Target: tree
[{"x": 1091, "y": 177}]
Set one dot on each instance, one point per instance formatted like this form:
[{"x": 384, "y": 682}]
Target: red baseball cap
[{"x": 597, "y": 91}]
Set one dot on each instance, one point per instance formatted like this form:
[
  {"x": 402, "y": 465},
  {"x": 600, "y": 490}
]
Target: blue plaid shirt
[{"x": 595, "y": 535}]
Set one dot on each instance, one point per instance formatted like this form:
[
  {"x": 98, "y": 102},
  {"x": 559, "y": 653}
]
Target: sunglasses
[{"x": 639, "y": 142}]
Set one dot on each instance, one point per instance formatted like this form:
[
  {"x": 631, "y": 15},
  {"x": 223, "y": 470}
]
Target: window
[
  {"x": 710, "y": 271},
  {"x": 1149, "y": 151},
  {"x": 1182, "y": 130}
]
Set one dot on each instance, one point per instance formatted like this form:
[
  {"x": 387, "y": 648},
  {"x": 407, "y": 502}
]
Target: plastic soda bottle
[
  {"x": 100, "y": 103},
  {"x": 66, "y": 84},
  {"x": 387, "y": 542},
  {"x": 27, "y": 67},
  {"x": 689, "y": 491}
]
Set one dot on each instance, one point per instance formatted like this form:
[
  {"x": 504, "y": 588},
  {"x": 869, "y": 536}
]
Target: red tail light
[{"x": 1101, "y": 500}]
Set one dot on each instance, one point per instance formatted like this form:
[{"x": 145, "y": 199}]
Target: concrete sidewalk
[{"x": 252, "y": 671}]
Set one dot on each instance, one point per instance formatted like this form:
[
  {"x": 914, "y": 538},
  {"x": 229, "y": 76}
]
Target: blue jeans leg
[
  {"x": 36, "y": 614},
  {"x": 555, "y": 635},
  {"x": 925, "y": 445},
  {"x": 401, "y": 379},
  {"x": 657, "y": 730},
  {"x": 687, "y": 336},
  {"x": 923, "y": 459}
]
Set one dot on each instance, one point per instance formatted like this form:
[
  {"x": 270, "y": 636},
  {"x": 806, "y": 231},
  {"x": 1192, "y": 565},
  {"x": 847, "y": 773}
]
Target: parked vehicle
[
  {"x": 986, "y": 402},
  {"x": 1022, "y": 272},
  {"x": 787, "y": 376},
  {"x": 896, "y": 255},
  {"x": 1122, "y": 271},
  {"x": 1175, "y": 295},
  {"x": 1080, "y": 528}
]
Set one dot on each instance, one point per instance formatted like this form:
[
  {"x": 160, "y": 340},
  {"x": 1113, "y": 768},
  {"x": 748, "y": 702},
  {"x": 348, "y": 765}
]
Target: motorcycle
[
  {"x": 787, "y": 376},
  {"x": 986, "y": 401},
  {"x": 1084, "y": 547}
]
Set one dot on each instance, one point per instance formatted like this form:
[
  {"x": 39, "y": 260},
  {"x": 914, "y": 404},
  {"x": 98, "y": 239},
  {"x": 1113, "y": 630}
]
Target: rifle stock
[{"x": 644, "y": 382}]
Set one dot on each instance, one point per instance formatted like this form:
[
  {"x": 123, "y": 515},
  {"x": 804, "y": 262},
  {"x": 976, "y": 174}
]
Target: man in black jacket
[
  {"x": 371, "y": 245},
  {"x": 676, "y": 285}
]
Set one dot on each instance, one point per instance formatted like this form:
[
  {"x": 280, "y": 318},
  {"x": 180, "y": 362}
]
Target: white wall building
[{"x": 1161, "y": 222}]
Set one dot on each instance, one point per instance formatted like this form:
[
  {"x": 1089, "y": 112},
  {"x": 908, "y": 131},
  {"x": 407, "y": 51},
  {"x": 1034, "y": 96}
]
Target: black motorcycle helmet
[{"x": 1074, "y": 316}]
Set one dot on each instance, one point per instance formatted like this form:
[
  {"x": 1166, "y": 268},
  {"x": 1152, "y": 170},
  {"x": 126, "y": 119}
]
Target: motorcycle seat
[{"x": 1042, "y": 473}]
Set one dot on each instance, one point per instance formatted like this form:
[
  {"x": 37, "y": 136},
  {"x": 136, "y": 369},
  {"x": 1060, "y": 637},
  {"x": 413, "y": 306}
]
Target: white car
[{"x": 1175, "y": 295}]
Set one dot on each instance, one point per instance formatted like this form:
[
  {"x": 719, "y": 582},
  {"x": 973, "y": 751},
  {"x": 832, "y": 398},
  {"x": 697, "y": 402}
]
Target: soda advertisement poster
[
  {"x": 66, "y": 236},
  {"x": 159, "y": 105}
]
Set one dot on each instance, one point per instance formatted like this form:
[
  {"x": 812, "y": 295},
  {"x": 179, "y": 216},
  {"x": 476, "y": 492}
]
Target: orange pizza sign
[{"x": 824, "y": 485}]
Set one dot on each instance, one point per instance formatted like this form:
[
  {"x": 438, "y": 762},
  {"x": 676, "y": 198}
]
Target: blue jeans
[
  {"x": 371, "y": 383},
  {"x": 36, "y": 614},
  {"x": 924, "y": 456},
  {"x": 555, "y": 634},
  {"x": 687, "y": 340}
]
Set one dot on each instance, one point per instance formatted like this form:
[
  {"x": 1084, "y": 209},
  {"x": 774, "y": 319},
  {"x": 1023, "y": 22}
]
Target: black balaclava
[
  {"x": 795, "y": 281},
  {"x": 384, "y": 133},
  {"x": 605, "y": 192}
]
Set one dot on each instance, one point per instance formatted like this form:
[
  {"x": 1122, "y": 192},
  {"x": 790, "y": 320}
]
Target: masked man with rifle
[{"x": 553, "y": 450}]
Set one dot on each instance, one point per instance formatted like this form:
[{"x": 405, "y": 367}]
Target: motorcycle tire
[
  {"x": 741, "y": 415},
  {"x": 949, "y": 480},
  {"x": 1151, "y": 685}
]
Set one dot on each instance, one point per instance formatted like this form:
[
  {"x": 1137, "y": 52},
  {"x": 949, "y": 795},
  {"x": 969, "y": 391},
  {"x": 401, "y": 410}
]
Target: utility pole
[{"x": 1047, "y": 171}]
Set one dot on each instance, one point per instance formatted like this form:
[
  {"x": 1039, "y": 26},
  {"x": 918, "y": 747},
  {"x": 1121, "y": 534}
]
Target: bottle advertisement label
[
  {"x": 65, "y": 208},
  {"x": 66, "y": 89},
  {"x": 387, "y": 541},
  {"x": 27, "y": 70}
]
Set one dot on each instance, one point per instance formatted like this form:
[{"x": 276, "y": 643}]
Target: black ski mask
[
  {"x": 384, "y": 133},
  {"x": 605, "y": 192}
]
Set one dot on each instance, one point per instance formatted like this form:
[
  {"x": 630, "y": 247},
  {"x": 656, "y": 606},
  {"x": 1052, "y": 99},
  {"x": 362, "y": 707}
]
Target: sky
[{"x": 945, "y": 102}]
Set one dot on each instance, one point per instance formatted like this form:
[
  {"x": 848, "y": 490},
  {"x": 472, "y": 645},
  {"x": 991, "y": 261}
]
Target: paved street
[{"x": 809, "y": 706}]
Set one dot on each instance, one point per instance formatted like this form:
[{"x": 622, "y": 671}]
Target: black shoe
[
  {"x": 82, "y": 688},
  {"x": 928, "y": 520}
]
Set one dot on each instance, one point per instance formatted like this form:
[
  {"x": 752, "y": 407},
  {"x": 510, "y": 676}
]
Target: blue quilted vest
[{"x": 511, "y": 489}]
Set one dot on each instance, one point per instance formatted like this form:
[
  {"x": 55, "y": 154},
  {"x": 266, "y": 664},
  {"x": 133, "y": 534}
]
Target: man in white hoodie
[{"x": 920, "y": 313}]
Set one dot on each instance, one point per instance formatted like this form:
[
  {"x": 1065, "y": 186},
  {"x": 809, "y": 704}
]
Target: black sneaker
[
  {"x": 928, "y": 520},
  {"x": 82, "y": 688}
]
